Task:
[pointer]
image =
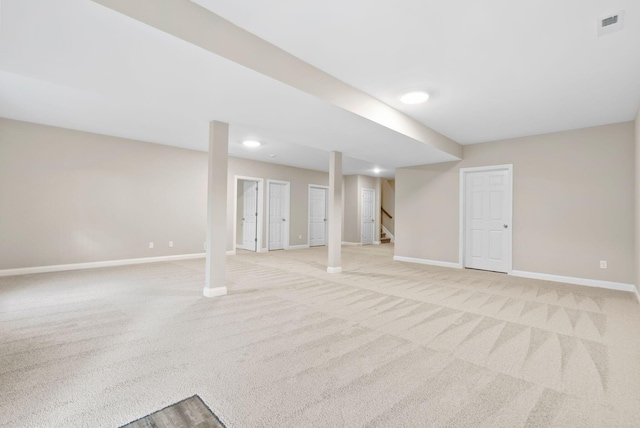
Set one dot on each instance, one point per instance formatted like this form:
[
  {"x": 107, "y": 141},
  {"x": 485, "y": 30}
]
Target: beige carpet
[{"x": 385, "y": 344}]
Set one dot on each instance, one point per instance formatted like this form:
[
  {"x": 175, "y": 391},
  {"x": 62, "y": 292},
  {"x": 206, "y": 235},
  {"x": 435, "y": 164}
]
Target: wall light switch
[
  {"x": 205, "y": 246},
  {"x": 299, "y": 236},
  {"x": 603, "y": 264},
  {"x": 150, "y": 244},
  {"x": 170, "y": 243}
]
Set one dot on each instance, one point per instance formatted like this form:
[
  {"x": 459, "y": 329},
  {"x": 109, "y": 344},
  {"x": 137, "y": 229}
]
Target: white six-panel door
[
  {"x": 277, "y": 215},
  {"x": 249, "y": 215},
  {"x": 487, "y": 218},
  {"x": 368, "y": 215},
  {"x": 317, "y": 216}
]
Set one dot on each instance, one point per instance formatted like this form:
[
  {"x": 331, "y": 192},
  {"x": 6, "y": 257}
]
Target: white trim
[
  {"x": 326, "y": 212},
  {"x": 389, "y": 234},
  {"x": 427, "y": 262},
  {"x": 334, "y": 269},
  {"x": 231, "y": 253},
  {"x": 297, "y": 247},
  {"x": 578, "y": 281},
  {"x": 214, "y": 292},
  {"x": 533, "y": 275},
  {"x": 637, "y": 293},
  {"x": 260, "y": 205},
  {"x": 377, "y": 242},
  {"x": 287, "y": 210},
  {"x": 90, "y": 265},
  {"x": 239, "y": 247},
  {"x": 352, "y": 244},
  {"x": 461, "y": 234}
]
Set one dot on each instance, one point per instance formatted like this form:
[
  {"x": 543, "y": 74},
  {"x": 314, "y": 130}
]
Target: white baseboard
[
  {"x": 351, "y": 244},
  {"x": 231, "y": 253},
  {"x": 334, "y": 269},
  {"x": 214, "y": 292},
  {"x": 578, "y": 281},
  {"x": 297, "y": 247},
  {"x": 89, "y": 265},
  {"x": 239, "y": 246},
  {"x": 377, "y": 242},
  {"x": 427, "y": 262}
]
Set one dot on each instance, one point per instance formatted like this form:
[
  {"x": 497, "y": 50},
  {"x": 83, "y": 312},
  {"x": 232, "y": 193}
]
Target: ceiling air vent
[{"x": 610, "y": 24}]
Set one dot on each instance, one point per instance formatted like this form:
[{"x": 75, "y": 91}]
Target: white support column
[
  {"x": 335, "y": 213},
  {"x": 217, "y": 210}
]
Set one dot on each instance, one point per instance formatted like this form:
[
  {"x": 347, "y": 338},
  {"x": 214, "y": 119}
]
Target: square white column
[
  {"x": 335, "y": 213},
  {"x": 217, "y": 210}
]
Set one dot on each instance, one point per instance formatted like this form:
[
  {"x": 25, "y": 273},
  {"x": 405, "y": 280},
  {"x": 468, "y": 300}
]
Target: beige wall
[
  {"x": 637, "y": 199},
  {"x": 239, "y": 212},
  {"x": 299, "y": 182},
  {"x": 351, "y": 222},
  {"x": 352, "y": 214},
  {"x": 73, "y": 197},
  {"x": 573, "y": 203}
]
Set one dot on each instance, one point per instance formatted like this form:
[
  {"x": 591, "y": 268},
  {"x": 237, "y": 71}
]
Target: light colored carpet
[{"x": 383, "y": 344}]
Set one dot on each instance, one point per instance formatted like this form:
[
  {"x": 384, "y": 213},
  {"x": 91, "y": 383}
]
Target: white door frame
[
  {"x": 326, "y": 211},
  {"x": 287, "y": 210},
  {"x": 361, "y": 210},
  {"x": 461, "y": 245},
  {"x": 260, "y": 208}
]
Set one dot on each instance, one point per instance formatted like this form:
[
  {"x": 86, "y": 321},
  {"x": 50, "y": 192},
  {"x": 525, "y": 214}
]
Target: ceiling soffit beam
[{"x": 201, "y": 27}]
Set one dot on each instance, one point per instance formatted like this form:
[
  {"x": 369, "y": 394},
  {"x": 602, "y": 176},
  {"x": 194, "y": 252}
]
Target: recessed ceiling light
[
  {"x": 252, "y": 143},
  {"x": 272, "y": 156},
  {"x": 415, "y": 97},
  {"x": 377, "y": 170}
]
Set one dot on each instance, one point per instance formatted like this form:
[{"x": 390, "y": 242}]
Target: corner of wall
[{"x": 637, "y": 202}]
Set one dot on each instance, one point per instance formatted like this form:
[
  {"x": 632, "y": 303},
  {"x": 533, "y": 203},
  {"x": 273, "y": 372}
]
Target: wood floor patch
[{"x": 188, "y": 413}]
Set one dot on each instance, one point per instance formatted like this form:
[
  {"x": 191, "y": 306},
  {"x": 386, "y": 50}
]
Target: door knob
[
  {"x": 505, "y": 226},
  {"x": 284, "y": 220},
  {"x": 324, "y": 219}
]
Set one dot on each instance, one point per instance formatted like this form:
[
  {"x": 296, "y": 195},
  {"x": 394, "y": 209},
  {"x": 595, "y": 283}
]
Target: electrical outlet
[
  {"x": 170, "y": 243},
  {"x": 150, "y": 244},
  {"x": 603, "y": 264}
]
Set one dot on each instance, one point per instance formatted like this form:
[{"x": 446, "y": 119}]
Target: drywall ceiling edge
[{"x": 196, "y": 25}]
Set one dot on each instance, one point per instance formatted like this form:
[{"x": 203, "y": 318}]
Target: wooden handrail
[{"x": 385, "y": 211}]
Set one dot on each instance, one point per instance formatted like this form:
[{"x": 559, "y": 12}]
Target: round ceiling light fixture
[
  {"x": 251, "y": 143},
  {"x": 414, "y": 97},
  {"x": 377, "y": 170}
]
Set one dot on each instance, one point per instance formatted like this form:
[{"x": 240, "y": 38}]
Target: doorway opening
[
  {"x": 278, "y": 224},
  {"x": 486, "y": 195},
  {"x": 248, "y": 213},
  {"x": 318, "y": 210},
  {"x": 368, "y": 220}
]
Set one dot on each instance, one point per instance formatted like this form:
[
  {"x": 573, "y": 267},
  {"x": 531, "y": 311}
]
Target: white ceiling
[{"x": 495, "y": 69}]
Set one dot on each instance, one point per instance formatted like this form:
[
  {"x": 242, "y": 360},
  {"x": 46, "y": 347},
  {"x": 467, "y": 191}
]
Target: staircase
[{"x": 384, "y": 239}]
